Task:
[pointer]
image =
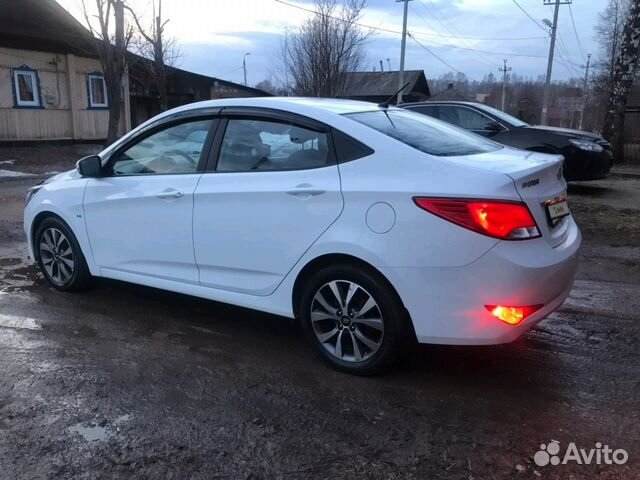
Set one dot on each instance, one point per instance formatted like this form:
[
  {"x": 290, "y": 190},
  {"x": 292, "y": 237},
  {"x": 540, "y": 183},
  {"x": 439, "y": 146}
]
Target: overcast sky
[{"x": 471, "y": 36}]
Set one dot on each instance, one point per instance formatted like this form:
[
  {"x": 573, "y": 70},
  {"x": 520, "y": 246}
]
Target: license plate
[{"x": 557, "y": 209}]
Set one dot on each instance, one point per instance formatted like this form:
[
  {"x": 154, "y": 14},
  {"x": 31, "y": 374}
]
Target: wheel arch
[
  {"x": 328, "y": 259},
  {"x": 37, "y": 220}
]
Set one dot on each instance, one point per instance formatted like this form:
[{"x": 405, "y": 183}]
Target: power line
[
  {"x": 486, "y": 51},
  {"x": 230, "y": 71},
  {"x": 476, "y": 57},
  {"x": 527, "y": 14},
  {"x": 412, "y": 37},
  {"x": 575, "y": 31},
  {"x": 398, "y": 32},
  {"x": 436, "y": 15}
]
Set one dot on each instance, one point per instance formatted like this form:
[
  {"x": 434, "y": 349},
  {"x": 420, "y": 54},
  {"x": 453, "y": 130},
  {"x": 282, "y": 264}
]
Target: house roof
[
  {"x": 43, "y": 25},
  {"x": 450, "y": 93},
  {"x": 176, "y": 76},
  {"x": 376, "y": 84}
]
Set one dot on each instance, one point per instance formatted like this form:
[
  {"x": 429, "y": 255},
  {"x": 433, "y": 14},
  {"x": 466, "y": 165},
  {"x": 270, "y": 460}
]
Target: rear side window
[
  {"x": 424, "y": 133},
  {"x": 254, "y": 144}
]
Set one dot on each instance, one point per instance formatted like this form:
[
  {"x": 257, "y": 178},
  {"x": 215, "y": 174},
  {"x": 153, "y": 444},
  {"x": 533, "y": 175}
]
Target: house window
[
  {"x": 26, "y": 88},
  {"x": 97, "y": 89}
]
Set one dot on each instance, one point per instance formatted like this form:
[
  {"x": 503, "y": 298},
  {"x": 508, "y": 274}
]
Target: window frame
[
  {"x": 266, "y": 115},
  {"x": 91, "y": 105},
  {"x": 35, "y": 83},
  {"x": 165, "y": 124}
]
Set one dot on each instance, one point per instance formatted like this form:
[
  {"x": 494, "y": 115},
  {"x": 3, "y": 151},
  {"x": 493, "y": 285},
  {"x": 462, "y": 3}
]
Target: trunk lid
[{"x": 538, "y": 180}]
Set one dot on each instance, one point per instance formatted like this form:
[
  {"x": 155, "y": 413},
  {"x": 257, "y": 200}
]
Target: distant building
[
  {"x": 182, "y": 87},
  {"x": 570, "y": 104},
  {"x": 52, "y": 85},
  {"x": 378, "y": 87},
  {"x": 451, "y": 94}
]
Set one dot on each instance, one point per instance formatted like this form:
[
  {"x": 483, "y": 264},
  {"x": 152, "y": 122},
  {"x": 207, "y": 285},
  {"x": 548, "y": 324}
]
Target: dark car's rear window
[{"x": 424, "y": 133}]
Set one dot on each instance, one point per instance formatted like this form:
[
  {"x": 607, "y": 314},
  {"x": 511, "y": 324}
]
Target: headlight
[
  {"x": 30, "y": 193},
  {"x": 586, "y": 145}
]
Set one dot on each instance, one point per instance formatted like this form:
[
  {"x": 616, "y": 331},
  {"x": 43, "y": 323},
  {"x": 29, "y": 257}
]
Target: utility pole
[
  {"x": 547, "y": 83},
  {"x": 402, "y": 47},
  {"x": 584, "y": 90},
  {"x": 389, "y": 63},
  {"x": 244, "y": 67},
  {"x": 381, "y": 66},
  {"x": 504, "y": 71}
]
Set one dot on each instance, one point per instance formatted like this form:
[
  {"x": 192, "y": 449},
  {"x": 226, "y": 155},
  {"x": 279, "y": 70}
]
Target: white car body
[{"x": 243, "y": 238}]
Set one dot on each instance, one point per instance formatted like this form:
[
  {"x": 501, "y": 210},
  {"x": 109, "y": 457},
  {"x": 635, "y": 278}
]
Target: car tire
[
  {"x": 369, "y": 341},
  {"x": 59, "y": 256}
]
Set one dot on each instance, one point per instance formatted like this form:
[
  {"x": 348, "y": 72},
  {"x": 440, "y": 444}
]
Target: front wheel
[
  {"x": 59, "y": 256},
  {"x": 353, "y": 318}
]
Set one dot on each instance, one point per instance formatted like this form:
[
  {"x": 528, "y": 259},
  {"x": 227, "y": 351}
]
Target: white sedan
[{"x": 373, "y": 226}]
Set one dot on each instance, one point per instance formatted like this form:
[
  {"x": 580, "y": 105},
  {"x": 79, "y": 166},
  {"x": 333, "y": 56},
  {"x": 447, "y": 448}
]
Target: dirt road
[{"x": 130, "y": 382}]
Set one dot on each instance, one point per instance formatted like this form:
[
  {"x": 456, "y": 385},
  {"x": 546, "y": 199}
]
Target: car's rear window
[{"x": 424, "y": 133}]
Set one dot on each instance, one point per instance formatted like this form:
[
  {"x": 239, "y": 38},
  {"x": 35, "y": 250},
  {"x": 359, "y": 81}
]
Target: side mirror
[
  {"x": 493, "y": 126},
  {"x": 90, "y": 166}
]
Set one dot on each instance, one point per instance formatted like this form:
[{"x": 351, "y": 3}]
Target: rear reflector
[
  {"x": 512, "y": 315},
  {"x": 499, "y": 219}
]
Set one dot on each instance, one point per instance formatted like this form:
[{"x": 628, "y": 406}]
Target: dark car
[{"x": 587, "y": 156}]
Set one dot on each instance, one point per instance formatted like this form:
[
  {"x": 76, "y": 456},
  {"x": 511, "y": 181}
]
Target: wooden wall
[{"x": 66, "y": 113}]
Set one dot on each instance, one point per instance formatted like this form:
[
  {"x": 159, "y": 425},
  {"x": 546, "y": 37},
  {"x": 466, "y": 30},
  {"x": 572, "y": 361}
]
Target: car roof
[
  {"x": 448, "y": 102},
  {"x": 310, "y": 104}
]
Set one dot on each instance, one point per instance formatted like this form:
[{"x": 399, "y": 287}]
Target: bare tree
[
  {"x": 624, "y": 71},
  {"x": 112, "y": 50},
  {"x": 325, "y": 48},
  {"x": 161, "y": 49}
]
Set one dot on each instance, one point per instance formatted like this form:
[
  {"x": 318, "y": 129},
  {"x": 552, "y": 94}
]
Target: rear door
[{"x": 270, "y": 190}]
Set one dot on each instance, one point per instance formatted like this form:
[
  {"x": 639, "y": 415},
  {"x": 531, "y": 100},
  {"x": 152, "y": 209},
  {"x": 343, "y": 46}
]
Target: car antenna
[{"x": 386, "y": 103}]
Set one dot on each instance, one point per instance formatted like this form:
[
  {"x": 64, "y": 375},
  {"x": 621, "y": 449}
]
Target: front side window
[
  {"x": 424, "y": 133},
  {"x": 26, "y": 87},
  {"x": 174, "y": 150},
  {"x": 264, "y": 145},
  {"x": 97, "y": 89}
]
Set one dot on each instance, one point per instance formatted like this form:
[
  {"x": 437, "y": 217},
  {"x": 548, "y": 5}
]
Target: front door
[
  {"x": 274, "y": 189},
  {"x": 139, "y": 215}
]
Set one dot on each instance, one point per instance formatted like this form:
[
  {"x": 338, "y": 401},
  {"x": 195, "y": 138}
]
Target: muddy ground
[{"x": 131, "y": 382}]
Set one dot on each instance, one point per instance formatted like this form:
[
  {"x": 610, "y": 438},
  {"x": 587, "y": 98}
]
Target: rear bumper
[
  {"x": 581, "y": 165},
  {"x": 447, "y": 305}
]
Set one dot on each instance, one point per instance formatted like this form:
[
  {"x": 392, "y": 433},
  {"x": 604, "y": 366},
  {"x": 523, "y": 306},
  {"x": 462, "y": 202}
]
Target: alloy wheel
[
  {"x": 57, "y": 255},
  {"x": 347, "y": 321}
]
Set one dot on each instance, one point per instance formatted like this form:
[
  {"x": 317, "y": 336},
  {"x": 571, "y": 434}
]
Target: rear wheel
[
  {"x": 353, "y": 318},
  {"x": 59, "y": 256}
]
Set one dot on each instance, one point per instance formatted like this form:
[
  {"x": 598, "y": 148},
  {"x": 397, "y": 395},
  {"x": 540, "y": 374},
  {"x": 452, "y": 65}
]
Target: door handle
[
  {"x": 170, "y": 194},
  {"x": 305, "y": 190}
]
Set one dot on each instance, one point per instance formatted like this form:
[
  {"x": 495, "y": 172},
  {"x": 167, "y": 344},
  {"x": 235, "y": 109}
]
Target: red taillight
[
  {"x": 512, "y": 315},
  {"x": 495, "y": 218}
]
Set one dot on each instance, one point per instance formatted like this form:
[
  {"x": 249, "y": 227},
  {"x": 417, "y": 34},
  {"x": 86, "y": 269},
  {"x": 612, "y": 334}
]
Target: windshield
[
  {"x": 424, "y": 133},
  {"x": 516, "y": 122}
]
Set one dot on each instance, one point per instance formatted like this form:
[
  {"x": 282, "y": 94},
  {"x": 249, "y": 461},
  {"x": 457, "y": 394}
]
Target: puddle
[
  {"x": 11, "y": 173},
  {"x": 92, "y": 433},
  {"x": 17, "y": 322}
]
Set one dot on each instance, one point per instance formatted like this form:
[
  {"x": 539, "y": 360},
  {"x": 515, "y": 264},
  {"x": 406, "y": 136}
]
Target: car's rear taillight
[
  {"x": 496, "y": 218},
  {"x": 512, "y": 315}
]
